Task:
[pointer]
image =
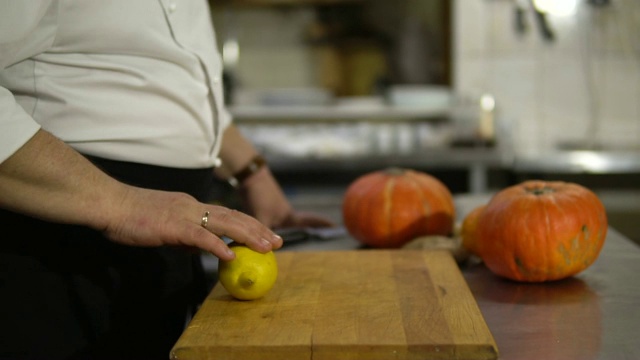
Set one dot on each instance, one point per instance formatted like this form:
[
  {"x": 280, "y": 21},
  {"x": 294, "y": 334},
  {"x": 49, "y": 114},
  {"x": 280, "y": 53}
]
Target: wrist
[{"x": 255, "y": 165}]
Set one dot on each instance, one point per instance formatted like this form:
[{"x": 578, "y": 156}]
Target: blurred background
[{"x": 480, "y": 93}]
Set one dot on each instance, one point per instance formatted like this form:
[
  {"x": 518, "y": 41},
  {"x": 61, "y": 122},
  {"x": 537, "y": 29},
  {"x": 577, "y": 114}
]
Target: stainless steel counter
[
  {"x": 475, "y": 161},
  {"x": 593, "y": 315},
  {"x": 579, "y": 161}
]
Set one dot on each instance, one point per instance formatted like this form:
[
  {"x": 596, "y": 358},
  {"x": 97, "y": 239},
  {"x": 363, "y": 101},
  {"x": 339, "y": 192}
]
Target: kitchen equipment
[
  {"x": 355, "y": 304},
  {"x": 425, "y": 96},
  {"x": 294, "y": 234}
]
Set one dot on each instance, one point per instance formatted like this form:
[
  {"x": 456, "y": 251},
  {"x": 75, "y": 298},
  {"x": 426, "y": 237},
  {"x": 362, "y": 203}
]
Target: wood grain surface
[{"x": 360, "y": 304}]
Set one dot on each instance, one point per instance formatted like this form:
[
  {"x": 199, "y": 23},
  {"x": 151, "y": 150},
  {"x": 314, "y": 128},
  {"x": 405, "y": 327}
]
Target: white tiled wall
[{"x": 584, "y": 86}]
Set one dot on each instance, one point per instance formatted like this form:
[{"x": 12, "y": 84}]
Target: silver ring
[{"x": 205, "y": 219}]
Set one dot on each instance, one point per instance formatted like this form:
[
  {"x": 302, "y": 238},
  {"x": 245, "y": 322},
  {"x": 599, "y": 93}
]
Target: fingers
[
  {"x": 239, "y": 227},
  {"x": 211, "y": 243},
  {"x": 151, "y": 218}
]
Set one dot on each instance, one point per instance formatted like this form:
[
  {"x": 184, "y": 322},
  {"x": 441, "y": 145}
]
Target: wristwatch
[{"x": 256, "y": 163}]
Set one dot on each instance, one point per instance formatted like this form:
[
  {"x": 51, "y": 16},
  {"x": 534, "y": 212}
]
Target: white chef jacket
[{"x": 130, "y": 80}]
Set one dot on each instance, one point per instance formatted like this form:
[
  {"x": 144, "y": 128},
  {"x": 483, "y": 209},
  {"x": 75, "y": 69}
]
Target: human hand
[
  {"x": 265, "y": 200},
  {"x": 65, "y": 187},
  {"x": 156, "y": 218},
  {"x": 305, "y": 219}
]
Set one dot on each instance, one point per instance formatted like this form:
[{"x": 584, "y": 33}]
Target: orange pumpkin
[
  {"x": 540, "y": 231},
  {"x": 388, "y": 208},
  {"x": 469, "y": 228}
]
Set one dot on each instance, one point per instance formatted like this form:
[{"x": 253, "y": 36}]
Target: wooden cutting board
[{"x": 360, "y": 304}]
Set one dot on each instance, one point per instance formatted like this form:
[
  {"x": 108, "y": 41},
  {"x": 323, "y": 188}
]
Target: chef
[{"x": 112, "y": 129}]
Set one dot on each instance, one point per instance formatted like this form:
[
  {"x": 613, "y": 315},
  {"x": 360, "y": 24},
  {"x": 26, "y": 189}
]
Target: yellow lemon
[{"x": 250, "y": 275}]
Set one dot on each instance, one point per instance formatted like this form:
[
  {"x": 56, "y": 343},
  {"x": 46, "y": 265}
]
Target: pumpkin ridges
[
  {"x": 379, "y": 226},
  {"x": 444, "y": 201},
  {"x": 514, "y": 261},
  {"x": 533, "y": 237},
  {"x": 596, "y": 246},
  {"x": 414, "y": 181},
  {"x": 402, "y": 219},
  {"x": 388, "y": 192},
  {"x": 367, "y": 206},
  {"x": 359, "y": 202},
  {"x": 539, "y": 231},
  {"x": 428, "y": 207},
  {"x": 503, "y": 261},
  {"x": 565, "y": 206},
  {"x": 362, "y": 211},
  {"x": 442, "y": 208},
  {"x": 407, "y": 211},
  {"x": 389, "y": 216},
  {"x": 577, "y": 240},
  {"x": 491, "y": 227},
  {"x": 548, "y": 231},
  {"x": 528, "y": 241},
  {"x": 560, "y": 230}
]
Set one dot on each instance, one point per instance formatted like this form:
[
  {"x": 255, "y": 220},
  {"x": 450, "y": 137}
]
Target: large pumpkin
[
  {"x": 539, "y": 231},
  {"x": 388, "y": 208}
]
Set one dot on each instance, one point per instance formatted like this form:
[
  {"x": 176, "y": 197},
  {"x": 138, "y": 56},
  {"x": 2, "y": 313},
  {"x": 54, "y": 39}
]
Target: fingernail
[
  {"x": 277, "y": 241},
  {"x": 231, "y": 254},
  {"x": 266, "y": 242}
]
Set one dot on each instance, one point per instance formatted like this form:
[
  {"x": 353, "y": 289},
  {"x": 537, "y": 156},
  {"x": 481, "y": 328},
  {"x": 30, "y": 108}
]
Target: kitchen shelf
[
  {"x": 336, "y": 113},
  {"x": 282, "y": 2},
  {"x": 579, "y": 162},
  {"x": 476, "y": 161},
  {"x": 444, "y": 158}
]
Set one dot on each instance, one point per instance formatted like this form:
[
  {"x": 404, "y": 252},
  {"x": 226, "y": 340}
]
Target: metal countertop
[
  {"x": 562, "y": 162},
  {"x": 593, "y": 315},
  {"x": 436, "y": 157},
  {"x": 579, "y": 161}
]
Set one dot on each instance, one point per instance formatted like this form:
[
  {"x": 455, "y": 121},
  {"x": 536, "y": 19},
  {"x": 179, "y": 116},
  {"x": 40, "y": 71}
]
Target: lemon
[{"x": 250, "y": 275}]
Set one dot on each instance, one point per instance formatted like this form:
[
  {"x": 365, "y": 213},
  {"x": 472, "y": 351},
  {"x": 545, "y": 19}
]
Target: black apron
[{"x": 68, "y": 293}]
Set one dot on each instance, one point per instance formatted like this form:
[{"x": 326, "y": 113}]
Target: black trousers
[{"x": 68, "y": 293}]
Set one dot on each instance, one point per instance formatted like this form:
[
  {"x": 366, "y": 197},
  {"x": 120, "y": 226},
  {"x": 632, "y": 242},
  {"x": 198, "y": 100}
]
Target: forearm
[
  {"x": 261, "y": 192},
  {"x": 263, "y": 196},
  {"x": 49, "y": 180},
  {"x": 236, "y": 152}
]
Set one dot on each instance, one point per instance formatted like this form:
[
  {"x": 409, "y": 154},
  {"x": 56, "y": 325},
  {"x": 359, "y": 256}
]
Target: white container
[{"x": 423, "y": 96}]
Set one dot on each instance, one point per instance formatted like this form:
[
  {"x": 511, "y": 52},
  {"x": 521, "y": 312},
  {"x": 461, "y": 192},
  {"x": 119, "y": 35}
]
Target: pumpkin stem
[{"x": 540, "y": 190}]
